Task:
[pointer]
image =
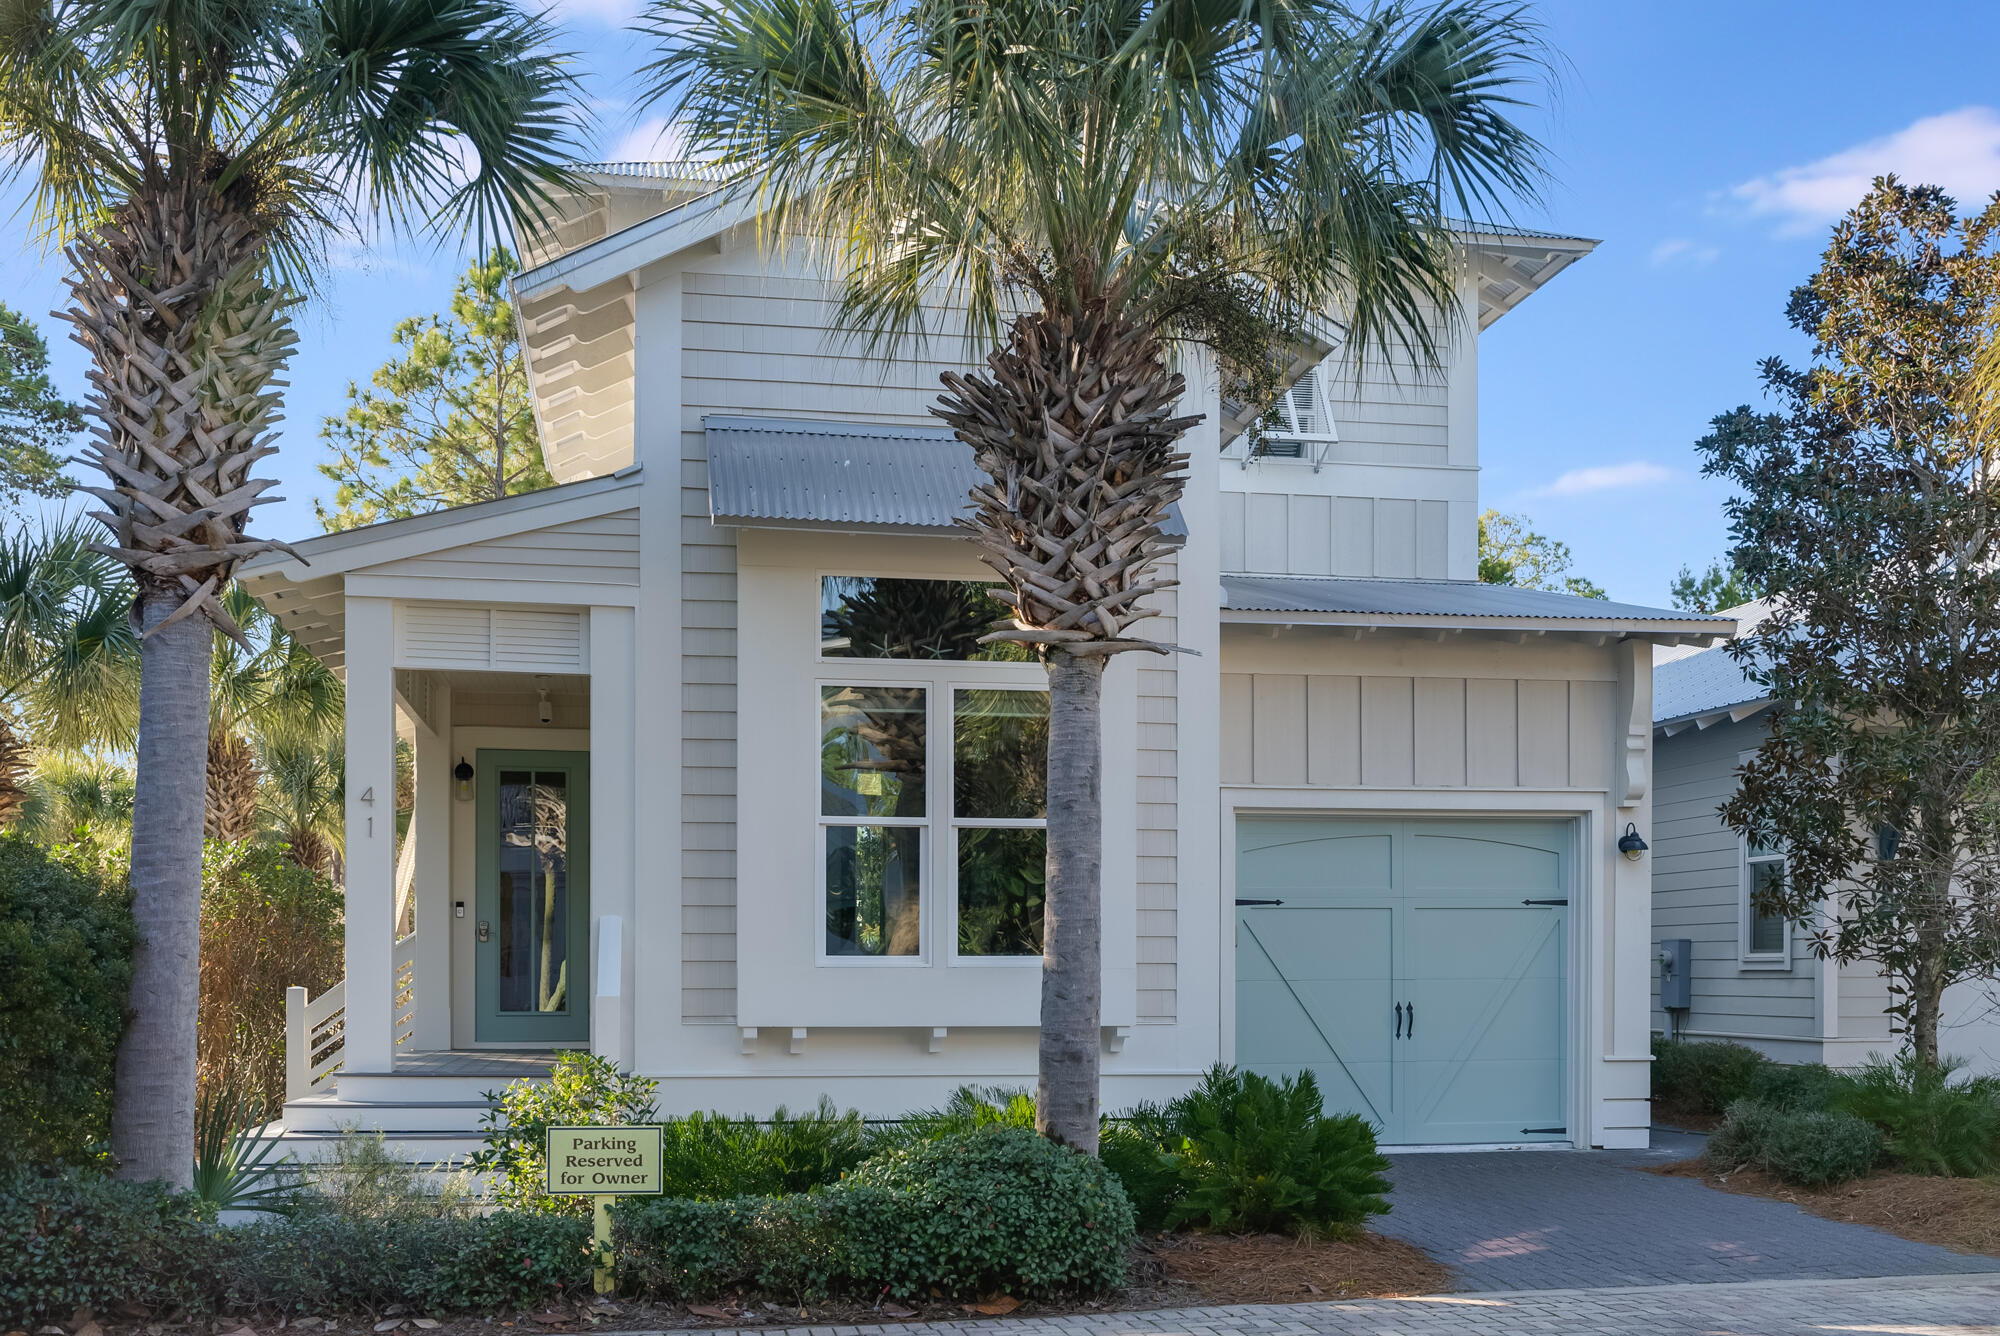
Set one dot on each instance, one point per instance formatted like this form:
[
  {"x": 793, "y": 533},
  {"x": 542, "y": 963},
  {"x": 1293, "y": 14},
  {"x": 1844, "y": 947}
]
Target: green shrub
[
  {"x": 70, "y": 1240},
  {"x": 995, "y": 1209},
  {"x": 362, "y": 1179},
  {"x": 677, "y": 1247},
  {"x": 1933, "y": 1124},
  {"x": 1702, "y": 1078},
  {"x": 711, "y": 1156},
  {"x": 1252, "y": 1154},
  {"x": 1811, "y": 1148},
  {"x": 1131, "y": 1148},
  {"x": 1802, "y": 1087},
  {"x": 583, "y": 1090},
  {"x": 65, "y": 964},
  {"x": 969, "y": 1109}
]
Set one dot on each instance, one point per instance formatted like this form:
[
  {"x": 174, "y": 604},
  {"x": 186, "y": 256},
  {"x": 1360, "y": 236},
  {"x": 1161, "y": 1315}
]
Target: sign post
[{"x": 605, "y": 1163}]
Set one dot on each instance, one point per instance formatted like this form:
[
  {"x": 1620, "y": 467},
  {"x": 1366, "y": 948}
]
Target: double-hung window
[
  {"x": 933, "y": 775},
  {"x": 1766, "y": 936}
]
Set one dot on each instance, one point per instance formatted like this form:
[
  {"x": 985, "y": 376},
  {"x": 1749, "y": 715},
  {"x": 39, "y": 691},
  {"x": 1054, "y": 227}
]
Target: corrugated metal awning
[
  {"x": 845, "y": 476},
  {"x": 1350, "y": 601}
]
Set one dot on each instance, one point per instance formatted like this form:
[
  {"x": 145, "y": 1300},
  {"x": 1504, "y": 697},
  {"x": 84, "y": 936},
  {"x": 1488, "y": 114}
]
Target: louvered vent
[
  {"x": 1307, "y": 419},
  {"x": 443, "y": 635}
]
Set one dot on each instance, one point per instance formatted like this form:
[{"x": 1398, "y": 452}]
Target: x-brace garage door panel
[
  {"x": 1321, "y": 984},
  {"x": 1407, "y": 968}
]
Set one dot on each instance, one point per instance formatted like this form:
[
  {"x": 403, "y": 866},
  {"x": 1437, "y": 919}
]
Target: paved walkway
[
  {"x": 1553, "y": 1220},
  {"x": 1904, "y": 1306}
]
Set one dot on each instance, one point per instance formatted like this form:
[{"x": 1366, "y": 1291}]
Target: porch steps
[{"x": 429, "y": 1109}]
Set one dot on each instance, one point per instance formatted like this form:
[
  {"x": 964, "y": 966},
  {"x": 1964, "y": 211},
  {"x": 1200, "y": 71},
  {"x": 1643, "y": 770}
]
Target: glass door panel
[{"x": 534, "y": 920}]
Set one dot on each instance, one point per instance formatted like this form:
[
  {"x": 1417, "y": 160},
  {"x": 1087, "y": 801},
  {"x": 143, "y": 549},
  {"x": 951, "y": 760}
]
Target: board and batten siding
[
  {"x": 1698, "y": 888},
  {"x": 1368, "y": 536},
  {"x": 1405, "y": 730},
  {"x": 603, "y": 550},
  {"x": 754, "y": 343}
]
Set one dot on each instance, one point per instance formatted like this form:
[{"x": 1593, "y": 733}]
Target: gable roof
[{"x": 1698, "y": 689}]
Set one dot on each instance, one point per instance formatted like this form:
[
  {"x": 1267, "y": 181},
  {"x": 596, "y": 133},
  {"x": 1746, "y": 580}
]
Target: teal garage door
[{"x": 1416, "y": 968}]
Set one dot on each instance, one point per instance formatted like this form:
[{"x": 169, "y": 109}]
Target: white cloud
[
  {"x": 1682, "y": 250},
  {"x": 1606, "y": 478},
  {"x": 1959, "y": 150},
  {"x": 652, "y": 140}
]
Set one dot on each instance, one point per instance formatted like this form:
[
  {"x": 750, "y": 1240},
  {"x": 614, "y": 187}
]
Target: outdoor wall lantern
[
  {"x": 1630, "y": 844},
  {"x": 462, "y": 772}
]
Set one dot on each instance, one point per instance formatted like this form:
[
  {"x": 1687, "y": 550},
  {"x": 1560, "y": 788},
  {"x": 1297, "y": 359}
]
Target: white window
[
  {"x": 932, "y": 776},
  {"x": 1766, "y": 937}
]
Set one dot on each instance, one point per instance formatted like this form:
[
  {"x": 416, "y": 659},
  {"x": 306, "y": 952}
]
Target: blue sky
[{"x": 1708, "y": 145}]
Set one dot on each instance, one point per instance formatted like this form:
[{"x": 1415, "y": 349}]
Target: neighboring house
[
  {"x": 712, "y": 781},
  {"x": 1755, "y": 978}
]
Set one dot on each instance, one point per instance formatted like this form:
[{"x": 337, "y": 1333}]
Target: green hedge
[
  {"x": 1811, "y": 1148},
  {"x": 68, "y": 1241},
  {"x": 971, "y": 1213},
  {"x": 1702, "y": 1078},
  {"x": 65, "y": 965}
]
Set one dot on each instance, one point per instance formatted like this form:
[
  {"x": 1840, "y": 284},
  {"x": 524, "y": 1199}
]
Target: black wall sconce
[
  {"x": 462, "y": 772},
  {"x": 1630, "y": 844}
]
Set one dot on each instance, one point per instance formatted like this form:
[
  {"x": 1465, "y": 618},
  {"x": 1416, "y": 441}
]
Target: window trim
[
  {"x": 1747, "y": 959},
  {"x": 922, "y": 824},
  {"x": 956, "y": 823}
]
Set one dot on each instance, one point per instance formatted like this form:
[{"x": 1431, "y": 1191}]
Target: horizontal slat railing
[
  {"x": 404, "y": 1004},
  {"x": 315, "y": 1033}
]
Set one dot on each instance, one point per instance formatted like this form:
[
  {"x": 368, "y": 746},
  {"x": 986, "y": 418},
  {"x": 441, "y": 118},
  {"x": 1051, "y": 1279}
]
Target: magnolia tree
[{"x": 1868, "y": 511}]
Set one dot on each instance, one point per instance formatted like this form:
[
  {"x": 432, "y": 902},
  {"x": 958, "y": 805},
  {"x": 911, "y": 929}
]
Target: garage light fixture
[{"x": 1630, "y": 844}]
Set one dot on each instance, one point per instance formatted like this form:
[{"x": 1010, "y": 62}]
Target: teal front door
[
  {"x": 1416, "y": 968},
  {"x": 532, "y": 937}
]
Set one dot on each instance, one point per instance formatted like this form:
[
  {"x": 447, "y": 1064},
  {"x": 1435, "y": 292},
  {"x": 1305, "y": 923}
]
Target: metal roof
[
  {"x": 1429, "y": 601},
  {"x": 1699, "y": 684},
  {"x": 772, "y": 473}
]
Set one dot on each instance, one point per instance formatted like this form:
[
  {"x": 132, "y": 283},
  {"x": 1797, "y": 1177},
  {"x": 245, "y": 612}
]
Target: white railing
[
  {"x": 316, "y": 1027},
  {"x": 403, "y": 1007}
]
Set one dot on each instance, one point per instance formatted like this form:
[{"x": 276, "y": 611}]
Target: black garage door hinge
[
  {"x": 1260, "y": 902},
  {"x": 1544, "y": 1131},
  {"x": 1545, "y": 902}
]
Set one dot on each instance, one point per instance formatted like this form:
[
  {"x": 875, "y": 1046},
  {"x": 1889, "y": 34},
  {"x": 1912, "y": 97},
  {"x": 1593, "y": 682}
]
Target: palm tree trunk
[
  {"x": 1066, "y": 1098},
  {"x": 152, "y": 1118},
  {"x": 13, "y": 773},
  {"x": 232, "y": 789}
]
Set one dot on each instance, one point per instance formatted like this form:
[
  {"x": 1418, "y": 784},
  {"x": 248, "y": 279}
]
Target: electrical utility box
[{"x": 1676, "y": 973}]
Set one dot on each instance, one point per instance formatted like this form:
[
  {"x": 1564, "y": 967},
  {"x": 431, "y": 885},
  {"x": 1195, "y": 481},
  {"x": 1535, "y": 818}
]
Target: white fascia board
[
  {"x": 1708, "y": 718},
  {"x": 353, "y": 549},
  {"x": 633, "y": 248}
]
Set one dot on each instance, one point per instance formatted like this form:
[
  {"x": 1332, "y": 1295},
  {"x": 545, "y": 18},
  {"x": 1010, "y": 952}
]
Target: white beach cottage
[{"x": 711, "y": 781}]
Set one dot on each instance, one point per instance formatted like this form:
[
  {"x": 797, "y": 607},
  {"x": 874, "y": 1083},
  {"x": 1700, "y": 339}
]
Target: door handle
[
  {"x": 1399, "y": 1020},
  {"x": 485, "y": 931},
  {"x": 1413, "y": 1022}
]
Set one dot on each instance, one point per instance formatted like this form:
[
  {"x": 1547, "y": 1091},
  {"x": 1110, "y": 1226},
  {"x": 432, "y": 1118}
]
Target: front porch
[{"x": 490, "y": 767}]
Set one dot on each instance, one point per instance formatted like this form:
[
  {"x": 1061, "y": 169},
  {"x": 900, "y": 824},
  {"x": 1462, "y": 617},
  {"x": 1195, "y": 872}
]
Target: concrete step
[
  {"x": 403, "y": 1087},
  {"x": 333, "y": 1114},
  {"x": 435, "y": 1150}
]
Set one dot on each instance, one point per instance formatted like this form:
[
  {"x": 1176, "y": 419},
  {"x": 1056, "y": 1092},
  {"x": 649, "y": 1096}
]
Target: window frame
[
  {"x": 956, "y": 823},
  {"x": 940, "y": 680},
  {"x": 1747, "y": 958}
]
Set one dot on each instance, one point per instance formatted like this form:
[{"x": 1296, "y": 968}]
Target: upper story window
[
  {"x": 1766, "y": 937},
  {"x": 873, "y": 617}
]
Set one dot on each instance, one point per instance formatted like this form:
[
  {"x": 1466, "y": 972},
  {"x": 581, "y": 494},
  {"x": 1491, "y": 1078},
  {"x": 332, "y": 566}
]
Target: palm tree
[
  {"x": 1099, "y": 181},
  {"x": 67, "y": 652},
  {"x": 194, "y": 157},
  {"x": 277, "y": 696}
]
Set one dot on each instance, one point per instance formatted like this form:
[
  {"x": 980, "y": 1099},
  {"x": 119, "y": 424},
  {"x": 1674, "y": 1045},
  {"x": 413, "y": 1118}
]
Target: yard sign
[{"x": 605, "y": 1163}]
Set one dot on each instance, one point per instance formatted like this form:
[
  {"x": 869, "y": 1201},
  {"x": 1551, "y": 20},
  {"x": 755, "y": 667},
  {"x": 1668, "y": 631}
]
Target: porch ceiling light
[
  {"x": 462, "y": 772},
  {"x": 1630, "y": 844}
]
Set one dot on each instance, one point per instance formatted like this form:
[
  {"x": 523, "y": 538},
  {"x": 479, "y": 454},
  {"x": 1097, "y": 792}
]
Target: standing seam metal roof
[
  {"x": 1442, "y": 598},
  {"x": 842, "y": 475}
]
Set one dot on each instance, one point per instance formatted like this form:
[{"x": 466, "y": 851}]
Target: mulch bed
[
  {"x": 1168, "y": 1271},
  {"x": 1962, "y": 1214}
]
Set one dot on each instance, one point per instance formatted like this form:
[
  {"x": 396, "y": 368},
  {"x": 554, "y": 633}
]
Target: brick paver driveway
[
  {"x": 1909, "y": 1306},
  {"x": 1547, "y": 1220}
]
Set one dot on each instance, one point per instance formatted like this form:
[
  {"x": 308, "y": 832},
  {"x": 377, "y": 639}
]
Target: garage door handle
[
  {"x": 1413, "y": 1022},
  {"x": 1399, "y": 1020}
]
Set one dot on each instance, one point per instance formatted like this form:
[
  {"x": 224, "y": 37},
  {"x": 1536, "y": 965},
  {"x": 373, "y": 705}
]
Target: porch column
[
  {"x": 613, "y": 828},
  {"x": 432, "y": 825},
  {"x": 371, "y": 834}
]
